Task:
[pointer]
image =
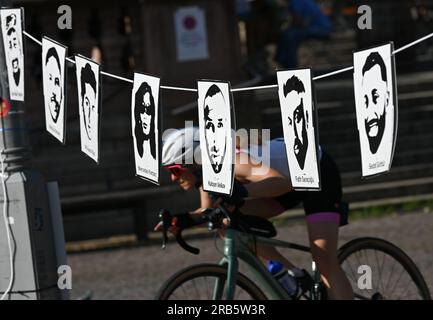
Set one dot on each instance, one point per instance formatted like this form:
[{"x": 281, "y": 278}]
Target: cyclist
[{"x": 268, "y": 194}]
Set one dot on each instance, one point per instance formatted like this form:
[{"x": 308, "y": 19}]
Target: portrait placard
[
  {"x": 89, "y": 101},
  {"x": 145, "y": 131},
  {"x": 54, "y": 87},
  {"x": 216, "y": 135},
  {"x": 300, "y": 128},
  {"x": 12, "y": 32},
  {"x": 376, "y": 107}
]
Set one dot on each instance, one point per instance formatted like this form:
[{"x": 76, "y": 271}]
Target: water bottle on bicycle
[{"x": 294, "y": 281}]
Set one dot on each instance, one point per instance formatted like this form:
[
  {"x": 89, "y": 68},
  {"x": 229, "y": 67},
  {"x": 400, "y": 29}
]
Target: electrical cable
[
  {"x": 8, "y": 228},
  {"x": 23, "y": 292}
]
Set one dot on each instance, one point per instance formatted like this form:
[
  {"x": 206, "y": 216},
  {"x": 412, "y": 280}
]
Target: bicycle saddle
[{"x": 253, "y": 225}]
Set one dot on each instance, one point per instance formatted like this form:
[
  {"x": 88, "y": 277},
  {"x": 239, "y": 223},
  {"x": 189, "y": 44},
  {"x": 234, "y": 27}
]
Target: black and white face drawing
[
  {"x": 217, "y": 149},
  {"x": 89, "y": 104},
  {"x": 144, "y": 107},
  {"x": 215, "y": 130},
  {"x": 374, "y": 90},
  {"x": 294, "y": 92},
  {"x": 14, "y": 48},
  {"x": 297, "y": 111},
  {"x": 53, "y": 68},
  {"x": 11, "y": 20},
  {"x": 144, "y": 111},
  {"x": 11, "y": 24},
  {"x": 53, "y": 80},
  {"x": 88, "y": 97},
  {"x": 376, "y": 98}
]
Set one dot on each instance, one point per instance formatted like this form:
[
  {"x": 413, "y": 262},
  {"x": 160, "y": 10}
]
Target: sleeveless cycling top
[{"x": 278, "y": 157}]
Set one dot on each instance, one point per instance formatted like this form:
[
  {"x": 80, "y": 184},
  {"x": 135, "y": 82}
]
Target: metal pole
[
  {"x": 27, "y": 217},
  {"x": 14, "y": 142}
]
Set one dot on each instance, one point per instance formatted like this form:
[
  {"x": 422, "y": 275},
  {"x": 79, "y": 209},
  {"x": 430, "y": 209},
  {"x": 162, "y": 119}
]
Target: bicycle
[{"x": 244, "y": 231}]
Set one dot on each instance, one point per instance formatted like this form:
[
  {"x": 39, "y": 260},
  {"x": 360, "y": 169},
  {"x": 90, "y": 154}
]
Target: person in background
[
  {"x": 263, "y": 25},
  {"x": 308, "y": 21}
]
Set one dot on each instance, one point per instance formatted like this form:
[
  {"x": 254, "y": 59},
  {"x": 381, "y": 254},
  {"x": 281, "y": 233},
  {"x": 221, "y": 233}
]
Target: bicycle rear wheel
[
  {"x": 394, "y": 276},
  {"x": 198, "y": 283}
]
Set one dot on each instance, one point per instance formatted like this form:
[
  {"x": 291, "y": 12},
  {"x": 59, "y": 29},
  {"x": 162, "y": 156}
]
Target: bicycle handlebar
[
  {"x": 185, "y": 245},
  {"x": 184, "y": 221},
  {"x": 165, "y": 218}
]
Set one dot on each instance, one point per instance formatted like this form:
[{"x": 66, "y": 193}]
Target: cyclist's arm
[
  {"x": 260, "y": 180},
  {"x": 205, "y": 202}
]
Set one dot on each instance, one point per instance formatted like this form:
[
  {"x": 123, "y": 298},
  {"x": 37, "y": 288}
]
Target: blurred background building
[{"x": 241, "y": 38}]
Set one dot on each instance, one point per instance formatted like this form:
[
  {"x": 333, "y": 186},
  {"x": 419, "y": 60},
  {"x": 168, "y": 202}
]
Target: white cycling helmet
[{"x": 181, "y": 146}]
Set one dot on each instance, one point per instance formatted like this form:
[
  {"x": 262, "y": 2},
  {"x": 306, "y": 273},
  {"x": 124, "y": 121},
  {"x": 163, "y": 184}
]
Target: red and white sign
[{"x": 191, "y": 34}]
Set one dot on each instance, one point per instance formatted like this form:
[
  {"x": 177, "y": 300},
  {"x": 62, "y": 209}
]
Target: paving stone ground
[{"x": 138, "y": 272}]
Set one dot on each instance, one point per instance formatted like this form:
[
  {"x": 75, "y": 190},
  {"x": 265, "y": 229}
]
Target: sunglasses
[{"x": 176, "y": 169}]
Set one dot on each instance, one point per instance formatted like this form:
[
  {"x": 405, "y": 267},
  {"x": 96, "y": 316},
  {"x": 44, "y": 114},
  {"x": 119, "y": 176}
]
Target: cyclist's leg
[
  {"x": 266, "y": 208},
  {"x": 262, "y": 207},
  {"x": 323, "y": 221},
  {"x": 323, "y": 235}
]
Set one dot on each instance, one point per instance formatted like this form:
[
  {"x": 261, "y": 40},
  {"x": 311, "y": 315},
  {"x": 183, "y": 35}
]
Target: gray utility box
[{"x": 35, "y": 256}]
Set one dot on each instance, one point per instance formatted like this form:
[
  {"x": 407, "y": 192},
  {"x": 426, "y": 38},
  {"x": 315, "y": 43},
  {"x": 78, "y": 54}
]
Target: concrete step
[
  {"x": 420, "y": 128},
  {"x": 396, "y": 173},
  {"x": 298, "y": 213},
  {"x": 352, "y": 162},
  {"x": 404, "y": 143},
  {"x": 375, "y": 191}
]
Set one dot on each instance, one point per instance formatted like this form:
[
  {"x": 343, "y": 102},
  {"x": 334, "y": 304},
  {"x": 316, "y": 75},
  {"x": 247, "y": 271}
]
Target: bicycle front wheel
[
  {"x": 377, "y": 269},
  {"x": 206, "y": 282}
]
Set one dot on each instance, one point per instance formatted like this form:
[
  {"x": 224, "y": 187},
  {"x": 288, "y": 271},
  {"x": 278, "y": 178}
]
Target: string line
[{"x": 272, "y": 86}]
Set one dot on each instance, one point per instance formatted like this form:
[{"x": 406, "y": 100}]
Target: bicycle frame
[{"x": 236, "y": 247}]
